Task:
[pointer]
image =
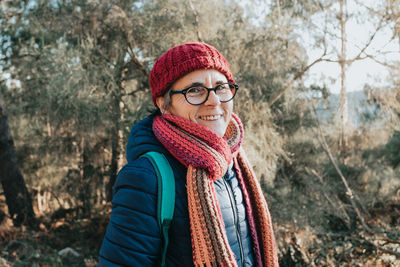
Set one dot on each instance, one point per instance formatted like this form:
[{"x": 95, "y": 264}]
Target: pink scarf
[{"x": 207, "y": 157}]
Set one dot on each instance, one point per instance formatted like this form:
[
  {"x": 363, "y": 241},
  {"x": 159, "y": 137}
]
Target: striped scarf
[{"x": 207, "y": 157}]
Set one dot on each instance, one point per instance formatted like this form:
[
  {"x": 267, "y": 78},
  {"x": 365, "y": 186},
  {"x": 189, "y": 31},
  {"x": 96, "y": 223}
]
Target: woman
[{"x": 221, "y": 217}]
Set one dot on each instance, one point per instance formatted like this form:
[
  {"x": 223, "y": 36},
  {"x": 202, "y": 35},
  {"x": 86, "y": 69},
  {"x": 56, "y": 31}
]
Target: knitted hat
[{"x": 183, "y": 59}]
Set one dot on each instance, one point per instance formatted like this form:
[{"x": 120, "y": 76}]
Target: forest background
[{"x": 74, "y": 79}]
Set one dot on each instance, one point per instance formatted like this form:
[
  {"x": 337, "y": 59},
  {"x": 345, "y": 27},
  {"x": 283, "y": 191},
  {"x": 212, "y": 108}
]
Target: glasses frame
[{"x": 184, "y": 91}]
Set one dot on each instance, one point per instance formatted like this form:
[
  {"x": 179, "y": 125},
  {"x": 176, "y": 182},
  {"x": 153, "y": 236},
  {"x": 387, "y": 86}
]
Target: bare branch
[
  {"x": 369, "y": 243},
  {"x": 35, "y": 56},
  {"x": 129, "y": 39},
  {"x": 381, "y": 62},
  {"x": 136, "y": 61},
  {"x": 349, "y": 192},
  {"x": 295, "y": 78},
  {"x": 196, "y": 21},
  {"x": 342, "y": 208},
  {"x": 331, "y": 60},
  {"x": 371, "y": 38}
]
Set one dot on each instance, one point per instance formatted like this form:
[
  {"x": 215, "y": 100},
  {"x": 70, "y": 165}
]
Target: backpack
[{"x": 166, "y": 196}]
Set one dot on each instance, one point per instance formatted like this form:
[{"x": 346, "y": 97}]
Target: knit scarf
[{"x": 207, "y": 157}]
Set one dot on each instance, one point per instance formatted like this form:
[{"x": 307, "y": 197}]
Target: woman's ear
[{"x": 160, "y": 103}]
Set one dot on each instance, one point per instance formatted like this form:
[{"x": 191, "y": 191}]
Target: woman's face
[{"x": 212, "y": 114}]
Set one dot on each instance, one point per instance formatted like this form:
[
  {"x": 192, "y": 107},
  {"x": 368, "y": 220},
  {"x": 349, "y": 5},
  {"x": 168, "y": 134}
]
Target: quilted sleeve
[{"x": 133, "y": 236}]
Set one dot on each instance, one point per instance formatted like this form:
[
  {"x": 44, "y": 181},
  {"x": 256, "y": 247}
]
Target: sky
[{"x": 359, "y": 73}]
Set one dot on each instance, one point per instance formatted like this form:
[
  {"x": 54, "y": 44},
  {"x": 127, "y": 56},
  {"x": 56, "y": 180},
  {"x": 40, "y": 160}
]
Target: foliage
[
  {"x": 23, "y": 247},
  {"x": 393, "y": 149},
  {"x": 89, "y": 84},
  {"x": 76, "y": 74}
]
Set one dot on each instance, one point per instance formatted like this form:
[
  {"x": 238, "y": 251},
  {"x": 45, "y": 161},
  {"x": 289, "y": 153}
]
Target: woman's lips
[{"x": 210, "y": 117}]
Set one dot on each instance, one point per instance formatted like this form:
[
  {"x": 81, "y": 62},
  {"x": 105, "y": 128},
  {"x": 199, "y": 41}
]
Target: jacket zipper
[{"x": 235, "y": 218}]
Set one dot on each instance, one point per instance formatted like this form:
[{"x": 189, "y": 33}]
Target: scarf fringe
[{"x": 214, "y": 264}]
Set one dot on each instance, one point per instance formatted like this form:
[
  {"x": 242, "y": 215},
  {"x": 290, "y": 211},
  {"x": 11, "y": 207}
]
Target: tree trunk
[
  {"x": 86, "y": 173},
  {"x": 18, "y": 199},
  {"x": 343, "y": 109},
  {"x": 117, "y": 145},
  {"x": 116, "y": 148}
]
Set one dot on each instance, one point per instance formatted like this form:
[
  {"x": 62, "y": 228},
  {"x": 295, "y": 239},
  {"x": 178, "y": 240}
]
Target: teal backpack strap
[{"x": 166, "y": 195}]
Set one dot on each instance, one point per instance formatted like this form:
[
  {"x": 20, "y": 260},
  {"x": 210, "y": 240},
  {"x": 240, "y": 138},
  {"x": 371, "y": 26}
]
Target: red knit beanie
[{"x": 183, "y": 59}]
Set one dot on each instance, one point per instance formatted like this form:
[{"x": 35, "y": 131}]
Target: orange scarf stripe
[
  {"x": 209, "y": 247},
  {"x": 197, "y": 223}
]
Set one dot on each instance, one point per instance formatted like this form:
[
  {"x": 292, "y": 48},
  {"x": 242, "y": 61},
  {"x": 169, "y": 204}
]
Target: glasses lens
[
  {"x": 225, "y": 92},
  {"x": 196, "y": 95}
]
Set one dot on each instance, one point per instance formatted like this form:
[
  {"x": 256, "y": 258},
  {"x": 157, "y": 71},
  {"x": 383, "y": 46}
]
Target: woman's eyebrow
[
  {"x": 201, "y": 84},
  {"x": 194, "y": 84}
]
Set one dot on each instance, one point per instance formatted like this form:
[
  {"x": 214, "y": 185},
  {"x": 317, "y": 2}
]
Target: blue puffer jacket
[{"x": 133, "y": 236}]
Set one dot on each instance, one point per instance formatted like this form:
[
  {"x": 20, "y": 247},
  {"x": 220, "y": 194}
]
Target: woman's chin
[{"x": 215, "y": 127}]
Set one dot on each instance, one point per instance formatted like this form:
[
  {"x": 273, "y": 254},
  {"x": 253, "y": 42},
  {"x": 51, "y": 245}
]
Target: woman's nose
[{"x": 213, "y": 99}]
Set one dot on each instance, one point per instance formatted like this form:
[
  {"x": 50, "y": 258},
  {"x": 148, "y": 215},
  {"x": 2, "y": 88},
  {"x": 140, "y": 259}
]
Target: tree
[
  {"x": 348, "y": 52},
  {"x": 324, "y": 27},
  {"x": 87, "y": 55},
  {"x": 18, "y": 199},
  {"x": 82, "y": 53}
]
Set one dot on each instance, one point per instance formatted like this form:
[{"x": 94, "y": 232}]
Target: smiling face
[{"x": 212, "y": 114}]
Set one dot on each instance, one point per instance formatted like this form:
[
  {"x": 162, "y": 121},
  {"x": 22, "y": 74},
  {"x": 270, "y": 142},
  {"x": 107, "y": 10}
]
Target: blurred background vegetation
[{"x": 74, "y": 79}]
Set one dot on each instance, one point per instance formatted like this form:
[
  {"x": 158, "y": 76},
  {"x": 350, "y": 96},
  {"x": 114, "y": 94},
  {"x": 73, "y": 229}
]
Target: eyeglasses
[{"x": 198, "y": 94}]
